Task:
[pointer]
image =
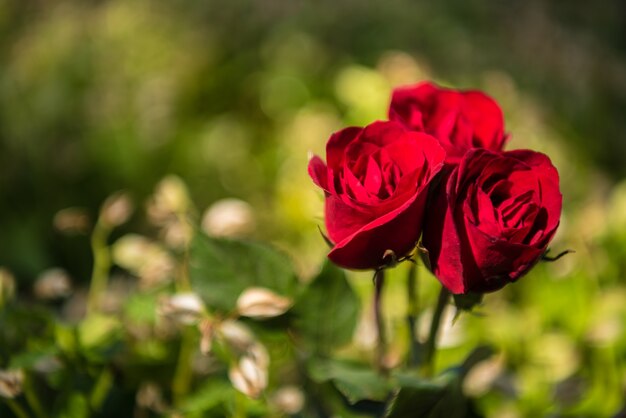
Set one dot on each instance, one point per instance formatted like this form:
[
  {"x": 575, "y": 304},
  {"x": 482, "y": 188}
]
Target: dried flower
[
  {"x": 259, "y": 302},
  {"x": 228, "y": 218},
  {"x": 170, "y": 199},
  {"x": 11, "y": 383},
  {"x": 288, "y": 399},
  {"x": 248, "y": 376},
  {"x": 184, "y": 308},
  {"x": 177, "y": 234},
  {"x": 145, "y": 258},
  {"x": 72, "y": 221},
  {"x": 236, "y": 335},
  {"x": 116, "y": 209}
]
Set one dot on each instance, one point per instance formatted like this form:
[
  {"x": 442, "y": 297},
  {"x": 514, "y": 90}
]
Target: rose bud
[
  {"x": 460, "y": 120},
  {"x": 492, "y": 219},
  {"x": 259, "y": 302},
  {"x": 375, "y": 181}
]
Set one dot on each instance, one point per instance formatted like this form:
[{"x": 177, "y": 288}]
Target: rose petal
[
  {"x": 318, "y": 172},
  {"x": 366, "y": 247}
]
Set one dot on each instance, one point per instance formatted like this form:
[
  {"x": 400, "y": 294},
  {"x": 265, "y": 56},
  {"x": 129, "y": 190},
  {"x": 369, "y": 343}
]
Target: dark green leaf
[
  {"x": 327, "y": 311},
  {"x": 430, "y": 401},
  {"x": 415, "y": 401},
  {"x": 467, "y": 301},
  {"x": 221, "y": 269},
  {"x": 355, "y": 382}
]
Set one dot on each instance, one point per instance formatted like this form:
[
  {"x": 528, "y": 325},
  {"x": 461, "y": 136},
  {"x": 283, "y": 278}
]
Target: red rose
[
  {"x": 460, "y": 120},
  {"x": 492, "y": 219},
  {"x": 375, "y": 182}
]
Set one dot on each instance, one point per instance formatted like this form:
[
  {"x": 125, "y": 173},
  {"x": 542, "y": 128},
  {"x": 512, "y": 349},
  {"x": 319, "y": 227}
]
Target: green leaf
[
  {"x": 28, "y": 359},
  {"x": 97, "y": 331},
  {"x": 415, "y": 401},
  {"x": 327, "y": 311},
  {"x": 437, "y": 399},
  {"x": 141, "y": 308},
  {"x": 75, "y": 407},
  {"x": 222, "y": 268},
  {"x": 356, "y": 382},
  {"x": 211, "y": 394},
  {"x": 431, "y": 400}
]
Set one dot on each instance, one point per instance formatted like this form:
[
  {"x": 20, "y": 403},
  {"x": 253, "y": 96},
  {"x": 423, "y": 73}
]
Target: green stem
[
  {"x": 412, "y": 314},
  {"x": 17, "y": 409},
  {"x": 183, "y": 375},
  {"x": 240, "y": 406},
  {"x": 32, "y": 399},
  {"x": 381, "y": 343},
  {"x": 183, "y": 283},
  {"x": 101, "y": 389},
  {"x": 431, "y": 343},
  {"x": 101, "y": 266}
]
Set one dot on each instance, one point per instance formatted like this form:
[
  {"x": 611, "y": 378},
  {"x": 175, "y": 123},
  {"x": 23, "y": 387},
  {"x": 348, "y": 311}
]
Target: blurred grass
[{"x": 104, "y": 95}]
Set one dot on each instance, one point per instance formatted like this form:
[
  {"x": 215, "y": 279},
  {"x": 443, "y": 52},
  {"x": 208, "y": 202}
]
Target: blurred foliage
[{"x": 98, "y": 96}]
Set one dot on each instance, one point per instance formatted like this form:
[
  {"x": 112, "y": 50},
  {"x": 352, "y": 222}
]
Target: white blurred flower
[
  {"x": 116, "y": 209},
  {"x": 259, "y": 302},
  {"x": 184, "y": 308},
  {"x": 11, "y": 383},
  {"x": 249, "y": 376},
  {"x": 144, "y": 258},
  {"x": 171, "y": 198},
  {"x": 53, "y": 283},
  {"x": 228, "y": 218},
  {"x": 236, "y": 335},
  {"x": 177, "y": 234},
  {"x": 288, "y": 399}
]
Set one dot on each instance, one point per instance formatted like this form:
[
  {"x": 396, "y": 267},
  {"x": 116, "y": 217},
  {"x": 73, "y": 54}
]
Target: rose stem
[
  {"x": 413, "y": 312},
  {"x": 429, "y": 355},
  {"x": 381, "y": 346}
]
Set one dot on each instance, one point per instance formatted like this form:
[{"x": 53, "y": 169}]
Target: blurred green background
[{"x": 98, "y": 96}]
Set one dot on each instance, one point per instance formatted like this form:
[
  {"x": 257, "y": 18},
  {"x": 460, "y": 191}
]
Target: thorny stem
[
  {"x": 381, "y": 345},
  {"x": 101, "y": 266},
  {"x": 430, "y": 349},
  {"x": 412, "y": 313}
]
